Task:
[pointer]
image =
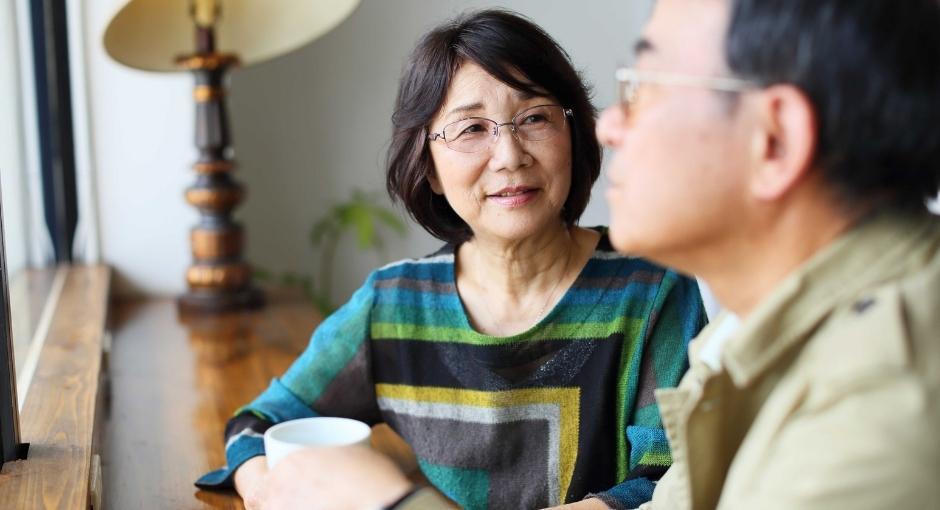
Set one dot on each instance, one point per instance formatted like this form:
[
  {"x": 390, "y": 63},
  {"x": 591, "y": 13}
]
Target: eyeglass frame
[
  {"x": 566, "y": 112},
  {"x": 628, "y": 75}
]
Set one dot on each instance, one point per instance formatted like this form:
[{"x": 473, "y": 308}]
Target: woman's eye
[
  {"x": 535, "y": 118},
  {"x": 472, "y": 128}
]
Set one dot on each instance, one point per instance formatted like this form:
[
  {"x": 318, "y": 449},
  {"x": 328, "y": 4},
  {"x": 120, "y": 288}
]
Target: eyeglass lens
[{"x": 629, "y": 90}]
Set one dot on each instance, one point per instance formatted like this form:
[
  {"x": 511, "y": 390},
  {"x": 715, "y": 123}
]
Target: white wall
[
  {"x": 308, "y": 128},
  {"x": 12, "y": 160},
  {"x": 141, "y": 128}
]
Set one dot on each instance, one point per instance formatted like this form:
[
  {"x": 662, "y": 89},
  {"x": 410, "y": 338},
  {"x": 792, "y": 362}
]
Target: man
[{"x": 782, "y": 150}]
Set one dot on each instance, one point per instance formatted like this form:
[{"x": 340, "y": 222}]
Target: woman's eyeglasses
[{"x": 475, "y": 134}]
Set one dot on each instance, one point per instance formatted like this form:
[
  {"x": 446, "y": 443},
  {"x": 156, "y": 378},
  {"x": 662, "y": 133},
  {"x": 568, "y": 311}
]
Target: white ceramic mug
[{"x": 287, "y": 437}]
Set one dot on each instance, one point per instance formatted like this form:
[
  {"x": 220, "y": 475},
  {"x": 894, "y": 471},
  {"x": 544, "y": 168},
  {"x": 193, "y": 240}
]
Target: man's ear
[{"x": 784, "y": 141}]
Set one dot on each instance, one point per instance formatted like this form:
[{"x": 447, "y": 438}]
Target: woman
[{"x": 518, "y": 361}]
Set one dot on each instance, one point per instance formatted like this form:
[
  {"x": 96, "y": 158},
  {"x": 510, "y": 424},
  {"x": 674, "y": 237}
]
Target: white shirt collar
[{"x": 710, "y": 354}]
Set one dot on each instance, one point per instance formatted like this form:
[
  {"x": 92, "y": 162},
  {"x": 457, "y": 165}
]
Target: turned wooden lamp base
[
  {"x": 219, "y": 280},
  {"x": 200, "y": 302}
]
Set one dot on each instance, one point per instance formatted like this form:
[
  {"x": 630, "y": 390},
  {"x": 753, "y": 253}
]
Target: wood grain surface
[
  {"x": 58, "y": 416},
  {"x": 176, "y": 381}
]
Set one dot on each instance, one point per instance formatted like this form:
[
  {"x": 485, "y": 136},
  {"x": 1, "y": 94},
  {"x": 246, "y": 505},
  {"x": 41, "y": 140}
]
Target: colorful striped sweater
[{"x": 541, "y": 418}]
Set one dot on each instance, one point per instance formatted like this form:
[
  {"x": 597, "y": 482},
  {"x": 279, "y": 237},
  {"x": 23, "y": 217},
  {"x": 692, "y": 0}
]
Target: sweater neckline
[{"x": 546, "y": 318}]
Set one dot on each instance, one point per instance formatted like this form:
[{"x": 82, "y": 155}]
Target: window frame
[
  {"x": 47, "y": 94},
  {"x": 11, "y": 447},
  {"x": 52, "y": 81}
]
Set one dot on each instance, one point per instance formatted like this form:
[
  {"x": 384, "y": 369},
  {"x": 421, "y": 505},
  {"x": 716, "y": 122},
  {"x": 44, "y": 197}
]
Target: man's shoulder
[
  {"x": 863, "y": 386},
  {"x": 891, "y": 330}
]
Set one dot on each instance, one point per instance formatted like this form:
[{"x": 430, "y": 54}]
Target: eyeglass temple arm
[{"x": 720, "y": 83}]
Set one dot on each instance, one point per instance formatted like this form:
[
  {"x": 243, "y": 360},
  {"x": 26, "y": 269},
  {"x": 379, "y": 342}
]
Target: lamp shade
[{"x": 151, "y": 34}]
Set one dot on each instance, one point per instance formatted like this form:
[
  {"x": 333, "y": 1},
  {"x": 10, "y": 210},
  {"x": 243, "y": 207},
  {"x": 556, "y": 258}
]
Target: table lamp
[{"x": 207, "y": 38}]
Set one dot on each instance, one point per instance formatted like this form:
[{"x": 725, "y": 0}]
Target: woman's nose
[
  {"x": 508, "y": 153},
  {"x": 611, "y": 126}
]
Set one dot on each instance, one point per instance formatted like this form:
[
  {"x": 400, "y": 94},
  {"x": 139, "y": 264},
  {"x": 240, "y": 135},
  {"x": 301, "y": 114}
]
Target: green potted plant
[{"x": 360, "y": 216}]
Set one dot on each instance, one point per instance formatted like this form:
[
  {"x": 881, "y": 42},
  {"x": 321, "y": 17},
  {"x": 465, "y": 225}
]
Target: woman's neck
[
  {"x": 506, "y": 288},
  {"x": 516, "y": 268}
]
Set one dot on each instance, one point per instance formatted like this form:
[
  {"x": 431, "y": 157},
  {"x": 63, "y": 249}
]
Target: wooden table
[{"x": 174, "y": 383}]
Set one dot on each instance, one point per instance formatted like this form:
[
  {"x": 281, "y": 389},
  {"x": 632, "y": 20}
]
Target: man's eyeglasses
[
  {"x": 629, "y": 81},
  {"x": 475, "y": 134}
]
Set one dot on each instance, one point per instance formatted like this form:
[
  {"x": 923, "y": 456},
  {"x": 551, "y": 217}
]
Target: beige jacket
[{"x": 829, "y": 393}]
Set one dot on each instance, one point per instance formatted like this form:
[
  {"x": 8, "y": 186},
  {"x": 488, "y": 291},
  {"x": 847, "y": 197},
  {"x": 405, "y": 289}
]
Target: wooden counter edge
[{"x": 59, "y": 412}]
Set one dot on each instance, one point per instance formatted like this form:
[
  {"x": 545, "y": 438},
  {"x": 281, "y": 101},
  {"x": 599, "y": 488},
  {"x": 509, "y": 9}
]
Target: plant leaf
[
  {"x": 364, "y": 226},
  {"x": 327, "y": 227}
]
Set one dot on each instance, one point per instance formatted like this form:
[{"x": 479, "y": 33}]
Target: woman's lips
[{"x": 514, "y": 197}]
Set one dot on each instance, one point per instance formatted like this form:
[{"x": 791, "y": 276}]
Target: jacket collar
[{"x": 876, "y": 249}]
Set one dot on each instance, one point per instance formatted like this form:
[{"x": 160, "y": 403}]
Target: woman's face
[{"x": 514, "y": 188}]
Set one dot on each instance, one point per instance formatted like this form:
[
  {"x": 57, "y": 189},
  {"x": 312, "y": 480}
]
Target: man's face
[{"x": 677, "y": 175}]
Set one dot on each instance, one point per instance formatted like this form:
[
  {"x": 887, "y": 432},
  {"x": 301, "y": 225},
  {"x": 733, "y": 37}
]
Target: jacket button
[
  {"x": 862, "y": 305},
  {"x": 708, "y": 405}
]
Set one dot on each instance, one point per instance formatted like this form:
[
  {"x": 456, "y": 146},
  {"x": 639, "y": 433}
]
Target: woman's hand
[
  {"x": 346, "y": 477},
  {"x": 585, "y": 504},
  {"x": 250, "y": 480}
]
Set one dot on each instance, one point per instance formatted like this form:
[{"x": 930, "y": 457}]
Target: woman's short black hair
[
  {"x": 872, "y": 70},
  {"x": 503, "y": 44}
]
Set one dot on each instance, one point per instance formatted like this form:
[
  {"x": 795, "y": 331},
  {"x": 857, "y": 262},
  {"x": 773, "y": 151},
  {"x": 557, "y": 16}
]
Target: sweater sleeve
[
  {"x": 332, "y": 377},
  {"x": 675, "y": 320}
]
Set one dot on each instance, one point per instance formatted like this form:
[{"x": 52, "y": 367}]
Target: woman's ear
[
  {"x": 783, "y": 142},
  {"x": 435, "y": 182}
]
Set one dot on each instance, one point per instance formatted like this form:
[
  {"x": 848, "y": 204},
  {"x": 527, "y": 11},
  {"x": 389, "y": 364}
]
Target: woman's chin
[{"x": 516, "y": 227}]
